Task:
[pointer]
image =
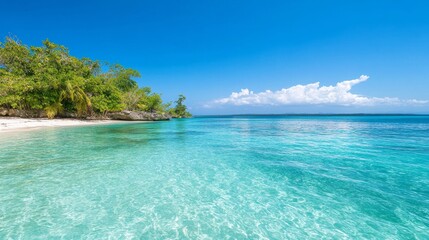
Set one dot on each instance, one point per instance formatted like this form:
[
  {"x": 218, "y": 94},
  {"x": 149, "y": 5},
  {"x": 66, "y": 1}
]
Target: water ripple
[{"x": 219, "y": 178}]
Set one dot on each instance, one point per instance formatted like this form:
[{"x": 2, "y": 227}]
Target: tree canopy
[
  {"x": 180, "y": 110},
  {"x": 48, "y": 78}
]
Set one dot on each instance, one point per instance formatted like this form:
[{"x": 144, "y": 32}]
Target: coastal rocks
[
  {"x": 4, "y": 112},
  {"x": 138, "y": 116},
  {"x": 123, "y": 115},
  {"x": 22, "y": 113}
]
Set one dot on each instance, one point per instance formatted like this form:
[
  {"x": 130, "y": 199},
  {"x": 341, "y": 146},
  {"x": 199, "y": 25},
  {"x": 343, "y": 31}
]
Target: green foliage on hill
[{"x": 48, "y": 78}]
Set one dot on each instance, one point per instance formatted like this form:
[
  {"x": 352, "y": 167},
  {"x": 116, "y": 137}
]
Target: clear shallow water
[{"x": 240, "y": 177}]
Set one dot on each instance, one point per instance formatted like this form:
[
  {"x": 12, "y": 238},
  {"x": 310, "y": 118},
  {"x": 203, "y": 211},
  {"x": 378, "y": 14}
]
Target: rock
[
  {"x": 22, "y": 113},
  {"x": 138, "y": 116},
  {"x": 4, "y": 112},
  {"x": 123, "y": 115}
]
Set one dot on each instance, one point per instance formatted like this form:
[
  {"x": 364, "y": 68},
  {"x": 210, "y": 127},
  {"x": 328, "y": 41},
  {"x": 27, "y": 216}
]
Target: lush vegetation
[
  {"x": 180, "y": 110},
  {"x": 48, "y": 78}
]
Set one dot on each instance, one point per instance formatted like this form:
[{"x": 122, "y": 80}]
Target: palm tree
[{"x": 77, "y": 96}]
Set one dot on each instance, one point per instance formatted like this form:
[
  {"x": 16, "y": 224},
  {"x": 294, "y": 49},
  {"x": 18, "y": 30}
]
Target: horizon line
[{"x": 312, "y": 114}]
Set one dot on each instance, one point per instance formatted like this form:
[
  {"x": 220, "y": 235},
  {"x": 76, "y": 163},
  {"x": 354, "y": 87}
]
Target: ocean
[{"x": 225, "y": 177}]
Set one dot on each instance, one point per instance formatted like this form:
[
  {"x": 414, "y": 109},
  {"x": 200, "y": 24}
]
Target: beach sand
[{"x": 8, "y": 124}]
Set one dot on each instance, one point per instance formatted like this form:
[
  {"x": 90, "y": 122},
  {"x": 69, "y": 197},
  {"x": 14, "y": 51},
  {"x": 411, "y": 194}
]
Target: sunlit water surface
[{"x": 219, "y": 178}]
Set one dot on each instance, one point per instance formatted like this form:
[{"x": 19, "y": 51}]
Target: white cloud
[{"x": 312, "y": 93}]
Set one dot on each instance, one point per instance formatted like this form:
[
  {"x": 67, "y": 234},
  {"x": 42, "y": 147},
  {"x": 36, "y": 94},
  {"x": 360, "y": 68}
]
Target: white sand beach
[{"x": 15, "y": 124}]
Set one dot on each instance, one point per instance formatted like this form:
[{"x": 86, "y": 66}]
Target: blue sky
[{"x": 209, "y": 49}]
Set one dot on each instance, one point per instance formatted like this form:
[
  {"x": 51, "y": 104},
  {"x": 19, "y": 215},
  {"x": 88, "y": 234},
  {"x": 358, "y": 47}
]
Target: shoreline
[{"x": 13, "y": 124}]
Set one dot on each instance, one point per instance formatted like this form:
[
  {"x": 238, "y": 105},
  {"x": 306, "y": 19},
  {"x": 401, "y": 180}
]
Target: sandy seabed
[{"x": 15, "y": 124}]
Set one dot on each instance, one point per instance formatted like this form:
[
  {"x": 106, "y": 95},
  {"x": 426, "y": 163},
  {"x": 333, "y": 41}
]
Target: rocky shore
[
  {"x": 138, "y": 116},
  {"x": 123, "y": 115}
]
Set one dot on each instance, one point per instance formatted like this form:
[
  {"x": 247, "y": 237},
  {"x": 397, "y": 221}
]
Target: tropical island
[
  {"x": 47, "y": 82},
  {"x": 290, "y": 139}
]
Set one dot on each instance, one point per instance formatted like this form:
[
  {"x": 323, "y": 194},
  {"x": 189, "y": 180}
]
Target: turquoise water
[{"x": 219, "y": 178}]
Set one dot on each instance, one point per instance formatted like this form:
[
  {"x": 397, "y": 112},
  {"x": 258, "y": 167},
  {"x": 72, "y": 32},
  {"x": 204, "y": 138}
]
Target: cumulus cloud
[{"x": 312, "y": 93}]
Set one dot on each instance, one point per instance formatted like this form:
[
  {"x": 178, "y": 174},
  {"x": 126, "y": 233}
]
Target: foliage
[
  {"x": 180, "y": 110},
  {"x": 48, "y": 78}
]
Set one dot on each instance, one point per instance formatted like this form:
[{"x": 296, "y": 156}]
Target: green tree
[
  {"x": 135, "y": 99},
  {"x": 122, "y": 77},
  {"x": 104, "y": 97},
  {"x": 152, "y": 103},
  {"x": 47, "y": 78},
  {"x": 180, "y": 110}
]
